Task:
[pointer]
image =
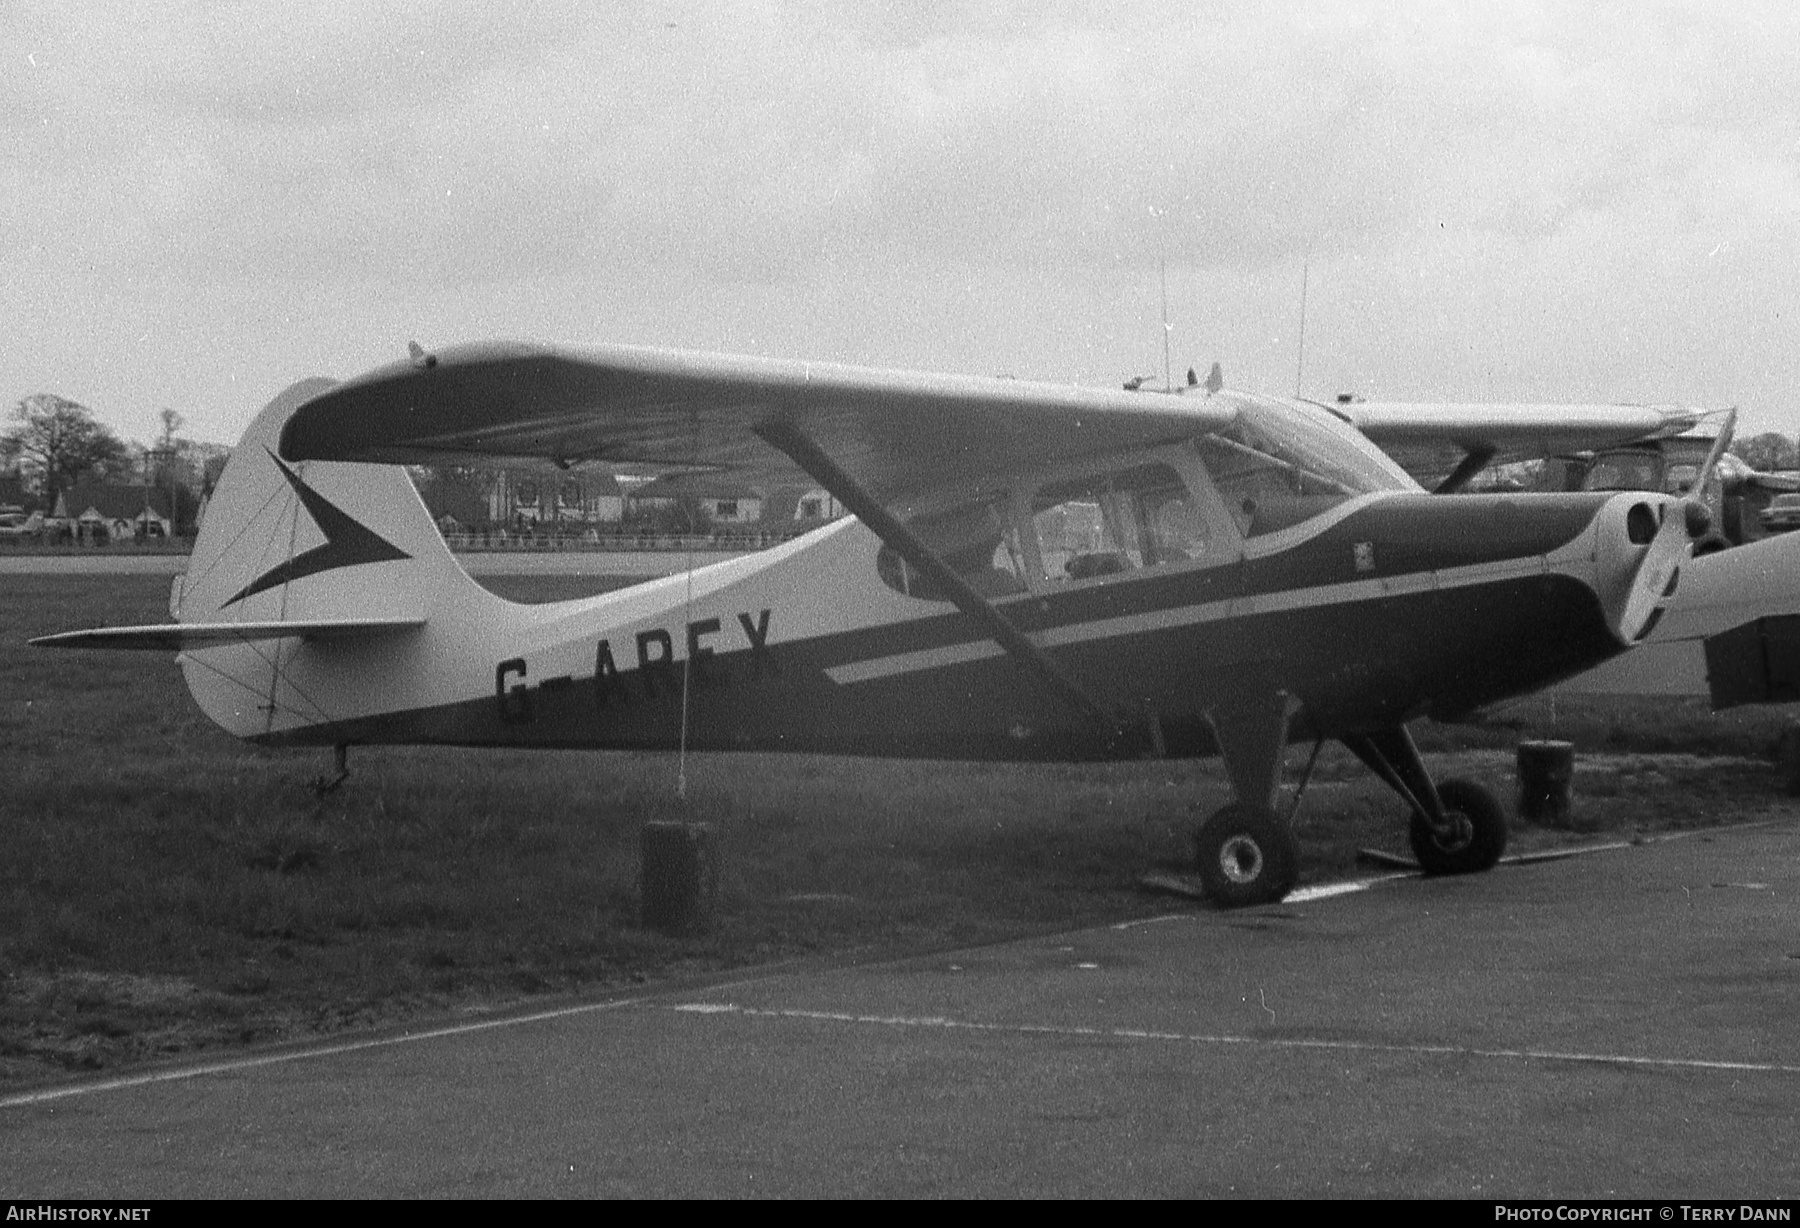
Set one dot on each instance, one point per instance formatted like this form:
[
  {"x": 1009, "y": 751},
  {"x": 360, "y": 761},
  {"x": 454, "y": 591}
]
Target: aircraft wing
[
  {"x": 1429, "y": 440},
  {"x": 1774, "y": 483},
  {"x": 896, "y": 433}
]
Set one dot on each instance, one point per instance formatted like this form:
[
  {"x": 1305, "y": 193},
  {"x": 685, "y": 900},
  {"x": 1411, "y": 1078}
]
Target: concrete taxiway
[{"x": 1621, "y": 1024}]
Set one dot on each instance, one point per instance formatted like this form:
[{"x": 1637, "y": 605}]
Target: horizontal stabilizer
[{"x": 179, "y": 637}]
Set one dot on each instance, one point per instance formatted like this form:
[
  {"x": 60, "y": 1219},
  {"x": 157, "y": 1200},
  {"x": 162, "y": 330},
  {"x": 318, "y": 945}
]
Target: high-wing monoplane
[{"x": 1032, "y": 572}]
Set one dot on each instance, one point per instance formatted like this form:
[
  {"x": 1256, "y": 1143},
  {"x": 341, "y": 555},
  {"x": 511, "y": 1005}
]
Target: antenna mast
[
  {"x": 1300, "y": 362},
  {"x": 1162, "y": 271}
]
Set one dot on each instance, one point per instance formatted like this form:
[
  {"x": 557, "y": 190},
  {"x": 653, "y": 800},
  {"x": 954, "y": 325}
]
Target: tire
[
  {"x": 1480, "y": 838},
  {"x": 1246, "y": 856}
]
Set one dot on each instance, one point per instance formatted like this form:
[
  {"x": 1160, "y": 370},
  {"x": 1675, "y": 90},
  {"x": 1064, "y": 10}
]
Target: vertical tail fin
[{"x": 315, "y": 541}]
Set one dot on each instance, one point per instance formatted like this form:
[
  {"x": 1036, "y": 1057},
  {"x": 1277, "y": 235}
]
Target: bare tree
[
  {"x": 57, "y": 441},
  {"x": 171, "y": 422}
]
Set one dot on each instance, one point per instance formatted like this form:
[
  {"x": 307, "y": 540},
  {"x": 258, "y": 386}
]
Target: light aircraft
[
  {"x": 1032, "y": 572},
  {"x": 1731, "y": 635}
]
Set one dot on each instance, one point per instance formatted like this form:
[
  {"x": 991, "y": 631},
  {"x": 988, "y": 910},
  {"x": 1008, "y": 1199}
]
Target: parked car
[
  {"x": 1782, "y": 514},
  {"x": 16, "y": 526}
]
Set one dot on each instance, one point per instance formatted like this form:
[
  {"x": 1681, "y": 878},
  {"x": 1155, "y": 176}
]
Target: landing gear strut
[
  {"x": 324, "y": 785},
  {"x": 1246, "y": 853},
  {"x": 1457, "y": 827}
]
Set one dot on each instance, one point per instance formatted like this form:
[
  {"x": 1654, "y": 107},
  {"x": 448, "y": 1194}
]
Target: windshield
[{"x": 1280, "y": 463}]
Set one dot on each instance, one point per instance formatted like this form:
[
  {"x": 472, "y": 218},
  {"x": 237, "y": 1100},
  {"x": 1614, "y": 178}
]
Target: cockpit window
[
  {"x": 1277, "y": 466},
  {"x": 1623, "y": 471},
  {"x": 1274, "y": 465},
  {"x": 974, "y": 540},
  {"x": 1680, "y": 479},
  {"x": 1120, "y": 521}
]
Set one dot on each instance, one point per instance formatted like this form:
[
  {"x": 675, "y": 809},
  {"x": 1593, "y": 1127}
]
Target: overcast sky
[{"x": 202, "y": 203}]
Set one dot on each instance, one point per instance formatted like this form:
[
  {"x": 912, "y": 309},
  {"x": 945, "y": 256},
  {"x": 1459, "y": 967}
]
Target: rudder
[{"x": 312, "y": 539}]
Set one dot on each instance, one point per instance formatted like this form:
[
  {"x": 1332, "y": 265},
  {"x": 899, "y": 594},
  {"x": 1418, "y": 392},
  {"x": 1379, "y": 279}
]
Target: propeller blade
[
  {"x": 1718, "y": 450},
  {"x": 1657, "y": 574},
  {"x": 1660, "y": 570}
]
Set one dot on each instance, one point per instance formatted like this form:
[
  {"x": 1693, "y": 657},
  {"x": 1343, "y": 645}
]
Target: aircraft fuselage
[{"x": 1395, "y": 605}]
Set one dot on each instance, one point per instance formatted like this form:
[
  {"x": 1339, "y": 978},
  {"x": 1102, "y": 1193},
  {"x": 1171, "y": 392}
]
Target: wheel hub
[
  {"x": 1241, "y": 859},
  {"x": 1455, "y": 833}
]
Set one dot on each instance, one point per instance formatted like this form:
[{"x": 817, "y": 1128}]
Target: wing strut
[
  {"x": 791, "y": 440},
  {"x": 1473, "y": 463}
]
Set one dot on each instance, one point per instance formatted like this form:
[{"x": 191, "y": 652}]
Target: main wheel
[
  {"x": 1478, "y": 834},
  {"x": 1246, "y": 856}
]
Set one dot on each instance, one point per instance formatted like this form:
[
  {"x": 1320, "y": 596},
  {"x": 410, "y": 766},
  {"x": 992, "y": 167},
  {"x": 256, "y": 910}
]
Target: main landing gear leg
[
  {"x": 1457, "y": 827},
  {"x": 1246, "y": 853}
]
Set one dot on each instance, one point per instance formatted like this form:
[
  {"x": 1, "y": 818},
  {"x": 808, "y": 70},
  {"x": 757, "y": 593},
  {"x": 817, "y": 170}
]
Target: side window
[
  {"x": 1076, "y": 538},
  {"x": 1096, "y": 526},
  {"x": 1173, "y": 529},
  {"x": 974, "y": 540}
]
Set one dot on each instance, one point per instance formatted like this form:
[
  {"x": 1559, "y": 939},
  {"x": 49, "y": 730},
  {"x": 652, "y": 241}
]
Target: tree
[
  {"x": 57, "y": 441},
  {"x": 457, "y": 491},
  {"x": 171, "y": 466},
  {"x": 1767, "y": 452},
  {"x": 172, "y": 422}
]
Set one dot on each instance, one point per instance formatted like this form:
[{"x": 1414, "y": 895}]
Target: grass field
[{"x": 166, "y": 889}]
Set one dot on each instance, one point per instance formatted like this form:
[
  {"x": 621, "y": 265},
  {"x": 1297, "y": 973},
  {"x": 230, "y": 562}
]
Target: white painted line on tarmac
[
  {"x": 1163, "y": 919},
  {"x": 1305, "y": 895},
  {"x": 1630, "y": 1060},
  {"x": 1326, "y": 891},
  {"x": 301, "y": 1055}
]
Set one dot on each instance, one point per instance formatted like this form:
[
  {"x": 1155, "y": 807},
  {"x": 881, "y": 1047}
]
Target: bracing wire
[
  {"x": 687, "y": 619},
  {"x": 687, "y": 671},
  {"x": 1162, "y": 268},
  {"x": 275, "y": 676}
]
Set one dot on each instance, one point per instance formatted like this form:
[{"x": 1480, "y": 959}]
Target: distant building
[
  {"x": 96, "y": 509},
  {"x": 720, "y": 501},
  {"x": 796, "y": 507},
  {"x": 726, "y": 504},
  {"x": 545, "y": 498}
]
